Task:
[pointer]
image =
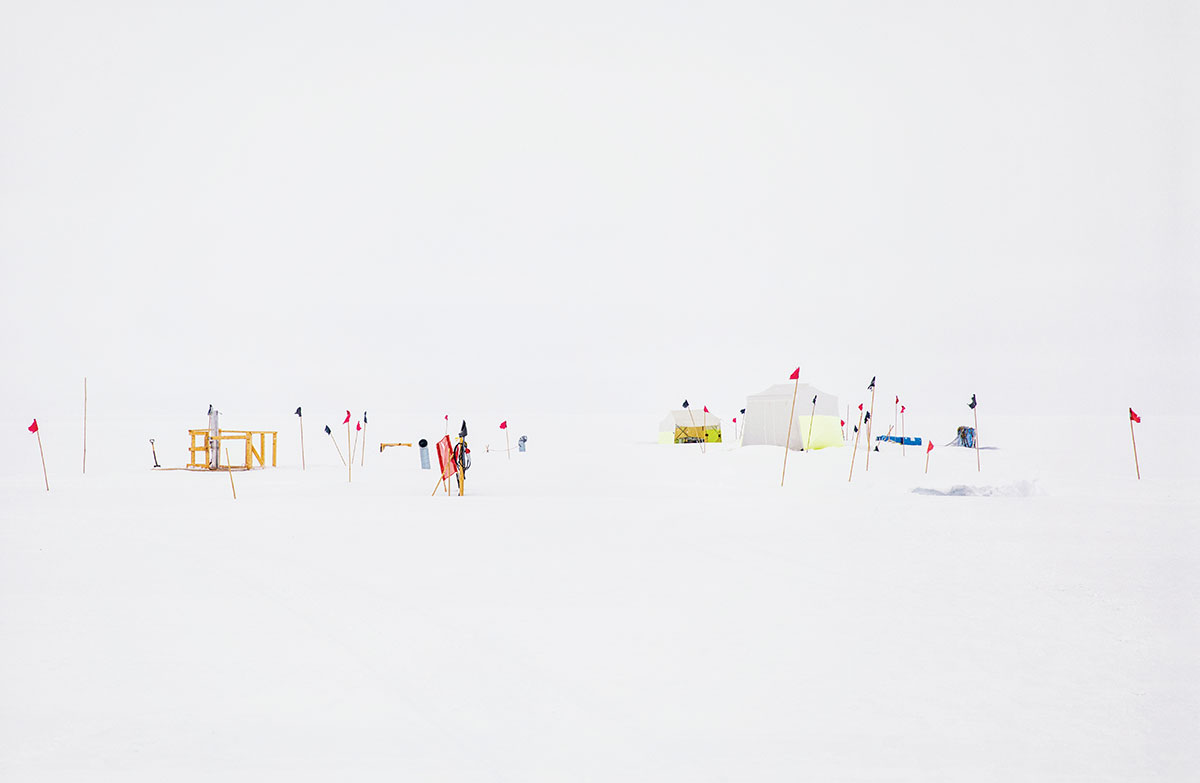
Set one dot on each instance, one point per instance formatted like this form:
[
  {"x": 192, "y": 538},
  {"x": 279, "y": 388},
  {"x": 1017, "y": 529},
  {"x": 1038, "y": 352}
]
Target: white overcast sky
[{"x": 600, "y": 205}]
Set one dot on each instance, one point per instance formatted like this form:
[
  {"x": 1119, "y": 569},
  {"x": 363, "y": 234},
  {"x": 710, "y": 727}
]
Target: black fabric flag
[
  {"x": 685, "y": 403},
  {"x": 868, "y": 417},
  {"x": 814, "y": 399},
  {"x": 743, "y": 411},
  {"x": 463, "y": 432},
  {"x": 298, "y": 413},
  {"x": 364, "y": 417},
  {"x": 972, "y": 405},
  {"x": 872, "y": 386},
  {"x": 327, "y": 430}
]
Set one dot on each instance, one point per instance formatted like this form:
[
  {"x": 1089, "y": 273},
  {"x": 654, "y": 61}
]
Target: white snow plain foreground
[{"x": 603, "y": 608}]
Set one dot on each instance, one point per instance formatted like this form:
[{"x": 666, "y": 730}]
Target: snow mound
[{"x": 1018, "y": 489}]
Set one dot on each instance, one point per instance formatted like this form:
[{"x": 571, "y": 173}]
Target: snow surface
[{"x": 603, "y": 608}]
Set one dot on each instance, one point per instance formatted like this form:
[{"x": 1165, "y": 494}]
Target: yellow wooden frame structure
[
  {"x": 709, "y": 434},
  {"x": 199, "y": 451}
]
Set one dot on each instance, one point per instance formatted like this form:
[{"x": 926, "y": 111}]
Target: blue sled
[{"x": 898, "y": 439}]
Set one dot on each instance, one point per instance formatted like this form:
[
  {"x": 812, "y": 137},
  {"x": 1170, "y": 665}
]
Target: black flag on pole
[
  {"x": 364, "y": 417},
  {"x": 867, "y": 418},
  {"x": 872, "y": 385},
  {"x": 814, "y": 399},
  {"x": 685, "y": 403},
  {"x": 298, "y": 412},
  {"x": 972, "y": 403},
  {"x": 743, "y": 411},
  {"x": 327, "y": 430}
]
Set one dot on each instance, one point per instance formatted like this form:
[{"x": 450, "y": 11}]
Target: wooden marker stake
[
  {"x": 787, "y": 444},
  {"x": 928, "y": 451},
  {"x": 350, "y": 464},
  {"x": 902, "y": 433},
  {"x": 362, "y": 460},
  {"x": 354, "y": 450},
  {"x": 229, "y": 469},
  {"x": 302, "y": 465},
  {"x": 85, "y": 424}
]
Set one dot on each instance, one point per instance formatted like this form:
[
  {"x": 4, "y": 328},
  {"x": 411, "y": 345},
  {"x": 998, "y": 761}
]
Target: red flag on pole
[
  {"x": 902, "y": 409},
  {"x": 897, "y": 399},
  {"x": 504, "y": 424},
  {"x": 706, "y": 409},
  {"x": 860, "y": 407},
  {"x": 347, "y": 421},
  {"x": 929, "y": 448},
  {"x": 358, "y": 427},
  {"x": 33, "y": 427},
  {"x": 445, "y": 453},
  {"x": 843, "y": 422},
  {"x": 1132, "y": 417},
  {"x": 795, "y": 376}
]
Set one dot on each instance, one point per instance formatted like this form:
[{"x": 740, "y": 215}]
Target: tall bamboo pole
[
  {"x": 787, "y": 444},
  {"x": 928, "y": 450},
  {"x": 229, "y": 469},
  {"x": 45, "y": 476},
  {"x": 901, "y": 432},
  {"x": 692, "y": 419},
  {"x": 854, "y": 454},
  {"x": 978, "y": 469},
  {"x": 1135, "y": 457},
  {"x": 335, "y": 444},
  {"x": 350, "y": 462},
  {"x": 811, "y": 416},
  {"x": 870, "y": 419},
  {"x": 362, "y": 460},
  {"x": 85, "y": 424},
  {"x": 302, "y": 465}
]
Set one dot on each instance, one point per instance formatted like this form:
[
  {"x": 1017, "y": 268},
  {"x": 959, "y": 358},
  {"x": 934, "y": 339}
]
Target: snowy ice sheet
[{"x": 602, "y": 608}]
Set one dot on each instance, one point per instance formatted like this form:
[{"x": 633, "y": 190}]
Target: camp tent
[
  {"x": 766, "y": 418},
  {"x": 683, "y": 427}
]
